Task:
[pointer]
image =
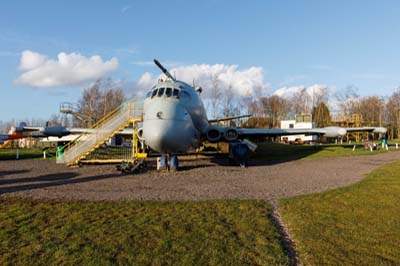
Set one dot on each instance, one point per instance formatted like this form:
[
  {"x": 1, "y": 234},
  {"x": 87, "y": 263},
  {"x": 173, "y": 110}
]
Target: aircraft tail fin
[{"x": 20, "y": 127}]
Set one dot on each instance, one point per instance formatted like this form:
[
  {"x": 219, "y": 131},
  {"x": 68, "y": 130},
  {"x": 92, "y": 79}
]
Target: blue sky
[{"x": 295, "y": 43}]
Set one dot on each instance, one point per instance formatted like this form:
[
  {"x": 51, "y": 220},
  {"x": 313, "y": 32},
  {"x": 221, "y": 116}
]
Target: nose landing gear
[
  {"x": 167, "y": 163},
  {"x": 174, "y": 163}
]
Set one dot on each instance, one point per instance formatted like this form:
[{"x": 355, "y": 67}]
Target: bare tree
[
  {"x": 347, "y": 99},
  {"x": 371, "y": 109},
  {"x": 321, "y": 115},
  {"x": 215, "y": 95},
  {"x": 318, "y": 96},
  {"x": 229, "y": 102},
  {"x": 100, "y": 99},
  {"x": 392, "y": 114},
  {"x": 276, "y": 108},
  {"x": 301, "y": 102}
]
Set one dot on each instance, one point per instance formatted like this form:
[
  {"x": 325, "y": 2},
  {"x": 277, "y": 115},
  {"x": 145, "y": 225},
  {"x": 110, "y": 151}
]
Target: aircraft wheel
[
  {"x": 174, "y": 163},
  {"x": 244, "y": 164}
]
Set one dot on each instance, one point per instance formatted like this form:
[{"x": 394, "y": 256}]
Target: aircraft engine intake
[
  {"x": 231, "y": 134},
  {"x": 213, "y": 134},
  {"x": 334, "y": 132},
  {"x": 140, "y": 134}
]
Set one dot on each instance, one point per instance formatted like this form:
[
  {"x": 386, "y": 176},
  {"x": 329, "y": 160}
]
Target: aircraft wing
[
  {"x": 228, "y": 118},
  {"x": 367, "y": 129},
  {"x": 79, "y": 130},
  {"x": 26, "y": 128},
  {"x": 328, "y": 131},
  {"x": 125, "y": 131}
]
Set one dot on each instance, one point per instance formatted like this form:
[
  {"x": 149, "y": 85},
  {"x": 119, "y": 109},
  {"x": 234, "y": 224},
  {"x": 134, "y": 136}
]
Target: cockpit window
[
  {"x": 176, "y": 93},
  {"x": 160, "y": 92},
  {"x": 168, "y": 92},
  {"x": 154, "y": 93},
  {"x": 150, "y": 92}
]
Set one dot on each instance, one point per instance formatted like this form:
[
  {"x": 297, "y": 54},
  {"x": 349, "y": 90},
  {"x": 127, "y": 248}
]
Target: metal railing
[{"x": 103, "y": 130}]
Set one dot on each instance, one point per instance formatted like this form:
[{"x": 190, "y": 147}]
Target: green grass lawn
[
  {"x": 49, "y": 232},
  {"x": 10, "y": 154},
  {"x": 356, "y": 225},
  {"x": 277, "y": 151}
]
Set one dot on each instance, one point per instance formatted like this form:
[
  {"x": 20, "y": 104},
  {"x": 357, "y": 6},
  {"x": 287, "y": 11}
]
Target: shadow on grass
[
  {"x": 276, "y": 153},
  {"x": 272, "y": 153},
  {"x": 53, "y": 180}
]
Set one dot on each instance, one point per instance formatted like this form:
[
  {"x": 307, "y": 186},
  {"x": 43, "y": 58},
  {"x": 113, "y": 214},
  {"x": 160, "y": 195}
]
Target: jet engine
[
  {"x": 334, "y": 132},
  {"x": 140, "y": 134},
  {"x": 214, "y": 133},
  {"x": 231, "y": 134},
  {"x": 57, "y": 131}
]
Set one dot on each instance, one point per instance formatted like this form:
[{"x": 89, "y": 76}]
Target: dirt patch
[{"x": 199, "y": 180}]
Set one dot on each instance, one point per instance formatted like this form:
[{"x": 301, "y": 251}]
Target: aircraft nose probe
[{"x": 163, "y": 69}]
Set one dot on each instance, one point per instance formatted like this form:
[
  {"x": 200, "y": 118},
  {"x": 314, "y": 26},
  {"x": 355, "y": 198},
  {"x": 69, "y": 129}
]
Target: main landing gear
[{"x": 167, "y": 163}]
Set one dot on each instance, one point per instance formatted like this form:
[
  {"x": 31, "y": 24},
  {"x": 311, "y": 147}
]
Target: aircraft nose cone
[
  {"x": 168, "y": 127},
  {"x": 168, "y": 136}
]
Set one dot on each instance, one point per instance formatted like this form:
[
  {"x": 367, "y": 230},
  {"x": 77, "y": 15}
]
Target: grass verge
[
  {"x": 277, "y": 151},
  {"x": 48, "y": 232},
  {"x": 10, "y": 154},
  {"x": 356, "y": 225}
]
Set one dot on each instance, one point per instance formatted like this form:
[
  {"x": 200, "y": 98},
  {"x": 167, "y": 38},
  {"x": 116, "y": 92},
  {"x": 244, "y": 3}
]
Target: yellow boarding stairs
[{"x": 114, "y": 122}]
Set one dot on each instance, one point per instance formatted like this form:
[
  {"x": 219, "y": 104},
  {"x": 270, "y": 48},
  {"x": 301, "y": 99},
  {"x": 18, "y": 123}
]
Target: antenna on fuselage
[{"x": 165, "y": 71}]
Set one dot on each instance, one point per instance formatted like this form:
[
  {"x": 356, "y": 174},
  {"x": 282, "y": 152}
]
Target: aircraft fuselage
[{"x": 174, "y": 119}]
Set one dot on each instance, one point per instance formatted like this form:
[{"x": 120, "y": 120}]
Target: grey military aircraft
[{"x": 175, "y": 121}]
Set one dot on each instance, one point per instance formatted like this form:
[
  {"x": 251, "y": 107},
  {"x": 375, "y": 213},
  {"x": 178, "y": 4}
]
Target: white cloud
[
  {"x": 68, "y": 70},
  {"x": 313, "y": 93},
  {"x": 249, "y": 81},
  {"x": 31, "y": 60},
  {"x": 288, "y": 92}
]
